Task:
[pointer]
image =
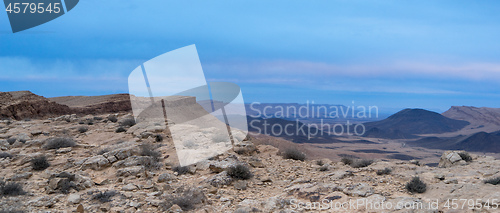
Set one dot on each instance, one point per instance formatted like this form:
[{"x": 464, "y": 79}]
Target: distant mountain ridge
[
  {"x": 478, "y": 142},
  {"x": 475, "y": 115},
  {"x": 409, "y": 122},
  {"x": 481, "y": 142}
]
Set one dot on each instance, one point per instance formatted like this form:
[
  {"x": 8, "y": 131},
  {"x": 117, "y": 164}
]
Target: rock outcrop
[
  {"x": 452, "y": 158},
  {"x": 24, "y": 104}
]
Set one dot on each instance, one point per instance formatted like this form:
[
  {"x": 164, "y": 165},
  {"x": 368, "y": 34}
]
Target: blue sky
[{"x": 391, "y": 54}]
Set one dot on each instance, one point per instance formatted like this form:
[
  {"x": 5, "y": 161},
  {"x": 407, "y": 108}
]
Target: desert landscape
[{"x": 87, "y": 154}]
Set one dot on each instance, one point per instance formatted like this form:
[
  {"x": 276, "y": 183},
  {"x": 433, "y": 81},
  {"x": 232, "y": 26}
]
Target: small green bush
[
  {"x": 148, "y": 150},
  {"x": 185, "y": 202},
  {"x": 416, "y": 186},
  {"x": 239, "y": 172},
  {"x": 11, "y": 189},
  {"x": 158, "y": 138},
  {"x": 324, "y": 168},
  {"x": 40, "y": 163},
  {"x": 150, "y": 163},
  {"x": 57, "y": 143},
  {"x": 112, "y": 119},
  {"x": 465, "y": 156},
  {"x": 11, "y": 140},
  {"x": 493, "y": 181},
  {"x": 294, "y": 154},
  {"x": 5, "y": 155},
  {"x": 153, "y": 157},
  {"x": 181, "y": 170},
  {"x": 104, "y": 197},
  {"x": 66, "y": 183},
  {"x": 347, "y": 161},
  {"x": 128, "y": 122},
  {"x": 83, "y": 129},
  {"x": 320, "y": 162},
  {"x": 361, "y": 163},
  {"x": 188, "y": 199},
  {"x": 385, "y": 171},
  {"x": 356, "y": 163}
]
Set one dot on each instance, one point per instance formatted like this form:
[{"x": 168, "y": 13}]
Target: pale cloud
[
  {"x": 376, "y": 77},
  {"x": 397, "y": 69},
  {"x": 392, "y": 77},
  {"x": 20, "y": 68}
]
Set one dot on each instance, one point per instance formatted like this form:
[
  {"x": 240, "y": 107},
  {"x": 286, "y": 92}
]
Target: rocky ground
[{"x": 134, "y": 170}]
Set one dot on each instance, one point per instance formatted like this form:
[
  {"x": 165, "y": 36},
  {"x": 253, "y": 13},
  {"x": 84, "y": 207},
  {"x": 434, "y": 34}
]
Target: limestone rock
[
  {"x": 219, "y": 166},
  {"x": 240, "y": 185},
  {"x": 130, "y": 171},
  {"x": 256, "y": 163},
  {"x": 359, "y": 190},
  {"x": 220, "y": 179},
  {"x": 451, "y": 158},
  {"x": 21, "y": 176},
  {"x": 165, "y": 177},
  {"x": 74, "y": 198},
  {"x": 129, "y": 187},
  {"x": 95, "y": 163}
]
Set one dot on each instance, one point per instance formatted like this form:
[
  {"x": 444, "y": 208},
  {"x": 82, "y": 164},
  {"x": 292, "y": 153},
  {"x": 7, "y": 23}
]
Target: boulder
[
  {"x": 123, "y": 153},
  {"x": 244, "y": 148},
  {"x": 23, "y": 137},
  {"x": 220, "y": 179},
  {"x": 165, "y": 177},
  {"x": 256, "y": 163},
  {"x": 129, "y": 187},
  {"x": 95, "y": 163},
  {"x": 22, "y": 176},
  {"x": 132, "y": 161},
  {"x": 359, "y": 190},
  {"x": 74, "y": 198},
  {"x": 219, "y": 166},
  {"x": 129, "y": 171},
  {"x": 451, "y": 158}
]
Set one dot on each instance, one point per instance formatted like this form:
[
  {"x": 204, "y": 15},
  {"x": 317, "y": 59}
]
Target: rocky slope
[
  {"x": 96, "y": 104},
  {"x": 481, "y": 119},
  {"x": 26, "y": 105},
  {"x": 135, "y": 171}
]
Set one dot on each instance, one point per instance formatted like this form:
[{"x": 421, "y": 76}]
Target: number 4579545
[{"x": 33, "y": 8}]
